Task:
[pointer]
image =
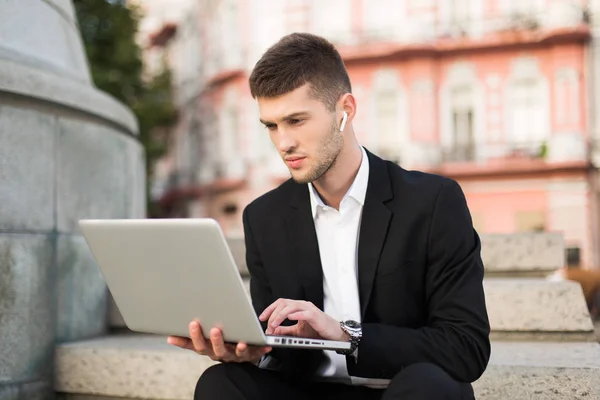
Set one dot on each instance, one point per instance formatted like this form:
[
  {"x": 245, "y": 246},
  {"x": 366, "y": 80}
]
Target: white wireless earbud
[{"x": 343, "y": 121}]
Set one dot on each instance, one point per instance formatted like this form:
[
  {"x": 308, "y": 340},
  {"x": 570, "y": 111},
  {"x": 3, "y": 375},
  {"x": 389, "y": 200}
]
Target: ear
[
  {"x": 344, "y": 119},
  {"x": 346, "y": 110}
]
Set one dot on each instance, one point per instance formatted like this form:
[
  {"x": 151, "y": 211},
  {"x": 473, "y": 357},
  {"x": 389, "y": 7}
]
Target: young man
[{"x": 351, "y": 248}]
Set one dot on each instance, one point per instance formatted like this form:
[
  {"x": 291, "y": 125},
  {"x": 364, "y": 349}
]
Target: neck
[{"x": 334, "y": 184}]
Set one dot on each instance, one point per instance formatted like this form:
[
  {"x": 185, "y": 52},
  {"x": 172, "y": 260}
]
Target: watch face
[{"x": 352, "y": 324}]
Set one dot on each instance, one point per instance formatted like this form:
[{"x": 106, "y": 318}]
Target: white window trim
[
  {"x": 462, "y": 74},
  {"x": 525, "y": 68}
]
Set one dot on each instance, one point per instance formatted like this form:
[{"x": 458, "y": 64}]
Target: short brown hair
[{"x": 297, "y": 59}]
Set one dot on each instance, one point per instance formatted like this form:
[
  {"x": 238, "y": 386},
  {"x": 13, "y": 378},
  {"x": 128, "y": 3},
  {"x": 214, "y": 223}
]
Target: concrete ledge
[
  {"x": 537, "y": 306},
  {"x": 139, "y": 366},
  {"x": 534, "y": 309},
  {"x": 529, "y": 370},
  {"x": 522, "y": 252},
  {"x": 143, "y": 366}
]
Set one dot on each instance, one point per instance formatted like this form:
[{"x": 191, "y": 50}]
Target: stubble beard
[{"x": 327, "y": 156}]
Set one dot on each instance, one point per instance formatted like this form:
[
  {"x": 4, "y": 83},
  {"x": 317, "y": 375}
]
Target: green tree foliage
[{"x": 108, "y": 29}]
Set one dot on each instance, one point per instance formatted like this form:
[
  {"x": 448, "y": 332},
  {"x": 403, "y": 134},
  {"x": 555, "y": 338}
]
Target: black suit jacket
[{"x": 419, "y": 271}]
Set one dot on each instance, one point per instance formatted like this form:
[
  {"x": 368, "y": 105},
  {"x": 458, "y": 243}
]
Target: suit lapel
[
  {"x": 374, "y": 226},
  {"x": 373, "y": 231},
  {"x": 303, "y": 239}
]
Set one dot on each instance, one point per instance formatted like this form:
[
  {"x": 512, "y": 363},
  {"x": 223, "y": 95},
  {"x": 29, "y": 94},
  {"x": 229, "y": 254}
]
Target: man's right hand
[{"x": 216, "y": 348}]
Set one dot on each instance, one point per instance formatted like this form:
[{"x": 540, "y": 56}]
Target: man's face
[{"x": 304, "y": 131}]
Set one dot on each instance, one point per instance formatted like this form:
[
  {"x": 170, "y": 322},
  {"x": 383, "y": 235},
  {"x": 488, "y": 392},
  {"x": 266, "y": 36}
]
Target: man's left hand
[{"x": 312, "y": 322}]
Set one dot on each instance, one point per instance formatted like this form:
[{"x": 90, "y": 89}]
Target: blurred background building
[{"x": 501, "y": 95}]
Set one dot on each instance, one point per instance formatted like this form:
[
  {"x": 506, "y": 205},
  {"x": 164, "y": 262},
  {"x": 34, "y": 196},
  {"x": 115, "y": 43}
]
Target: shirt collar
[{"x": 358, "y": 189}]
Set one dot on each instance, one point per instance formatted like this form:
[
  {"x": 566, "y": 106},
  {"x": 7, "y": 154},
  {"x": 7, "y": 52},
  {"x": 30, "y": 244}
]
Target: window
[
  {"x": 388, "y": 110},
  {"x": 573, "y": 257},
  {"x": 462, "y": 127},
  {"x": 527, "y": 125},
  {"x": 463, "y": 148},
  {"x": 527, "y": 106}
]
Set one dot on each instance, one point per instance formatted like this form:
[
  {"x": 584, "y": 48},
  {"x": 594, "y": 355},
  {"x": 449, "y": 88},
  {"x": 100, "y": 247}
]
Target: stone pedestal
[
  {"x": 522, "y": 254},
  {"x": 67, "y": 151}
]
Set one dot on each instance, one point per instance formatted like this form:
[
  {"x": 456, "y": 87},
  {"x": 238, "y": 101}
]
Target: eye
[
  {"x": 271, "y": 127},
  {"x": 294, "y": 121}
]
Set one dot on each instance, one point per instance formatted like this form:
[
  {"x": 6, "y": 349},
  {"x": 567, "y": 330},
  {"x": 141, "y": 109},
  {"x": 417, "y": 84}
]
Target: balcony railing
[
  {"x": 458, "y": 153},
  {"x": 560, "y": 14},
  {"x": 556, "y": 148},
  {"x": 485, "y": 152}
]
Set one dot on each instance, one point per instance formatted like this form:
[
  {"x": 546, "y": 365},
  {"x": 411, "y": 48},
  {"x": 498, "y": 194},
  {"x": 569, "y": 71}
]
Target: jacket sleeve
[{"x": 456, "y": 336}]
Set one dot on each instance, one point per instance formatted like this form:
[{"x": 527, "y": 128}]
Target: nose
[{"x": 286, "y": 142}]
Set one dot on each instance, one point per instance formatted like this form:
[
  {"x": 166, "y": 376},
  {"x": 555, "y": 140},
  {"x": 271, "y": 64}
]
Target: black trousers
[{"x": 231, "y": 381}]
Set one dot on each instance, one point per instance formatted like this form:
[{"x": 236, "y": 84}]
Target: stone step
[
  {"x": 522, "y": 254},
  {"x": 130, "y": 365},
  {"x": 512, "y": 255},
  {"x": 537, "y": 309},
  {"x": 541, "y": 371},
  {"x": 534, "y": 309},
  {"x": 515, "y": 254},
  {"x": 146, "y": 367}
]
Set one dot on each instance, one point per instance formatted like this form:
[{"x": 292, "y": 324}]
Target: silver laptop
[{"x": 164, "y": 273}]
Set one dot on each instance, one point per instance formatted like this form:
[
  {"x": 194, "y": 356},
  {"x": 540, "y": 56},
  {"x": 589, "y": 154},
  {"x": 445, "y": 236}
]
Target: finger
[
  {"x": 302, "y": 315},
  {"x": 218, "y": 345},
  {"x": 267, "y": 312},
  {"x": 271, "y": 323},
  {"x": 198, "y": 340},
  {"x": 184, "y": 343},
  {"x": 285, "y": 331},
  {"x": 272, "y": 314},
  {"x": 241, "y": 350},
  {"x": 286, "y": 307},
  {"x": 292, "y": 306},
  {"x": 310, "y": 313},
  {"x": 280, "y": 315}
]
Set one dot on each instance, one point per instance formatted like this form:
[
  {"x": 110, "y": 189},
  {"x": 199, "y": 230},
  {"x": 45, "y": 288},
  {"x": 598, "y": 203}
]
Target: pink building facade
[{"x": 499, "y": 95}]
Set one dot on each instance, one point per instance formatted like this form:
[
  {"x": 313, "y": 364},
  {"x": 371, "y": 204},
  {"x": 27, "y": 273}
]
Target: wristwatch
[{"x": 354, "y": 330}]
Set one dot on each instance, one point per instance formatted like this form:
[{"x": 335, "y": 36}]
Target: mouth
[{"x": 294, "y": 162}]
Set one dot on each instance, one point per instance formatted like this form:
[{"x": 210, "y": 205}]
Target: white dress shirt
[{"x": 337, "y": 233}]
